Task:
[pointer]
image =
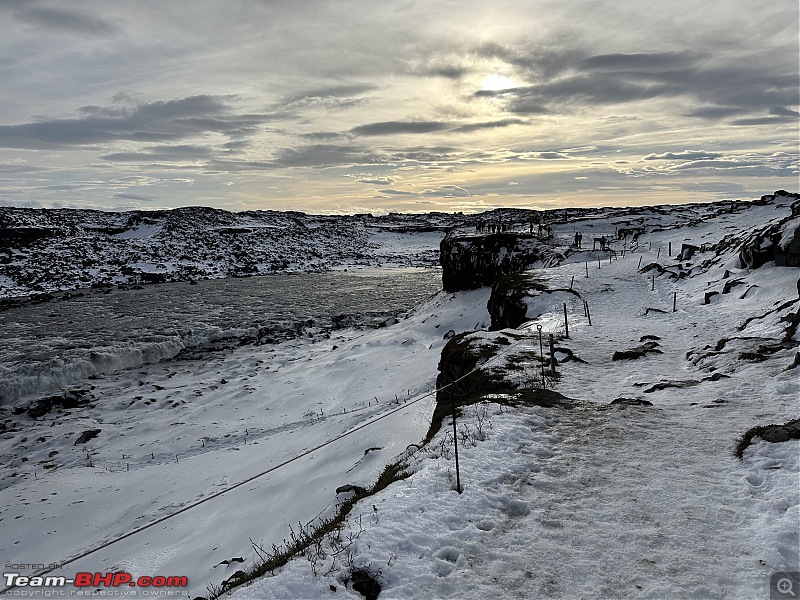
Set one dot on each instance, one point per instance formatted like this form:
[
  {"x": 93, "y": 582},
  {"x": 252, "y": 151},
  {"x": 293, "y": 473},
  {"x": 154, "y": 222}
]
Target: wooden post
[
  {"x": 585, "y": 312},
  {"x": 588, "y": 314},
  {"x": 654, "y": 282},
  {"x": 571, "y": 282},
  {"x": 553, "y": 355},
  {"x": 639, "y": 266},
  {"x": 587, "y": 268},
  {"x": 455, "y": 445},
  {"x": 609, "y": 258},
  {"x": 659, "y": 253},
  {"x": 566, "y": 323},
  {"x": 674, "y": 301},
  {"x": 669, "y": 251},
  {"x": 598, "y": 263}
]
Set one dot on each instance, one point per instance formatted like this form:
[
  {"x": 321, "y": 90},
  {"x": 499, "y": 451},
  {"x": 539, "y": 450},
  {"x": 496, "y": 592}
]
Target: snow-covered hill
[{"x": 48, "y": 250}]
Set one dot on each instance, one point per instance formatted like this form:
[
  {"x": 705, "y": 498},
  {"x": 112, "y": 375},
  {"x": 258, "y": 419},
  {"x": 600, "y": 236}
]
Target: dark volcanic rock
[
  {"x": 508, "y": 304},
  {"x": 87, "y": 435},
  {"x": 769, "y": 433},
  {"x": 473, "y": 261},
  {"x": 17, "y": 237},
  {"x": 779, "y": 242},
  {"x": 637, "y": 352},
  {"x": 623, "y": 402}
]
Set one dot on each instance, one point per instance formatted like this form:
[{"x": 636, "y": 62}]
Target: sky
[{"x": 351, "y": 106}]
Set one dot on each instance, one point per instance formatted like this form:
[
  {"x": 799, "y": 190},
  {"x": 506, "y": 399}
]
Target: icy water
[{"x": 45, "y": 346}]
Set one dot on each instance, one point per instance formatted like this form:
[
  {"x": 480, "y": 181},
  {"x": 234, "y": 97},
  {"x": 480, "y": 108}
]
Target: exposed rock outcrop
[
  {"x": 473, "y": 261},
  {"x": 779, "y": 242},
  {"x": 519, "y": 297}
]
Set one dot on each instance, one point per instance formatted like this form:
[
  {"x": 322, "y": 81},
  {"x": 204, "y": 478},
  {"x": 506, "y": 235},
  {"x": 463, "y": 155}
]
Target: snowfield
[{"x": 577, "y": 498}]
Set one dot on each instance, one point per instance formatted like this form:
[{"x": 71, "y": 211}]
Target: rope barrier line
[{"x": 188, "y": 507}]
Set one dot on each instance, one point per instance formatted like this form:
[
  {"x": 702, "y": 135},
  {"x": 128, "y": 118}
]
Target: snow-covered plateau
[{"x": 631, "y": 471}]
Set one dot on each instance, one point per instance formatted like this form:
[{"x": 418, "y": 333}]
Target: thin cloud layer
[{"x": 402, "y": 106}]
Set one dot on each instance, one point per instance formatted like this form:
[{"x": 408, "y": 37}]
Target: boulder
[{"x": 87, "y": 435}]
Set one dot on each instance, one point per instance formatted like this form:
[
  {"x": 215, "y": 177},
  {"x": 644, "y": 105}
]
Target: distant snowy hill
[{"x": 48, "y": 250}]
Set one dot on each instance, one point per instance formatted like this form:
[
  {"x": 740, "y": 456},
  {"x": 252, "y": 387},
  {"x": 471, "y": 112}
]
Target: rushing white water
[{"x": 62, "y": 342}]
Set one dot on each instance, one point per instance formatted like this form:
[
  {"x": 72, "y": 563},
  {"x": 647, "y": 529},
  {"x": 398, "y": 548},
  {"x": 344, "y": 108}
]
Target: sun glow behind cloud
[{"x": 496, "y": 83}]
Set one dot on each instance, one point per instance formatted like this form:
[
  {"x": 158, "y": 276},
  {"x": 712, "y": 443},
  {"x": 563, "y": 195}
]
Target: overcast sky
[{"x": 371, "y": 106}]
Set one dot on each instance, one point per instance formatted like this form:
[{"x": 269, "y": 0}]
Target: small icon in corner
[{"x": 784, "y": 585}]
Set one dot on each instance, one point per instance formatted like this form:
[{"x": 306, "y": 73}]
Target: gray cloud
[
  {"x": 159, "y": 121},
  {"x": 325, "y": 155},
  {"x": 753, "y": 121},
  {"x": 782, "y": 111},
  {"x": 653, "y": 62},
  {"x": 377, "y": 181},
  {"x": 489, "y": 125},
  {"x": 334, "y": 91},
  {"x": 137, "y": 197},
  {"x": 727, "y": 85},
  {"x": 157, "y": 154},
  {"x": 684, "y": 155},
  {"x": 65, "y": 21},
  {"x": 398, "y": 127}
]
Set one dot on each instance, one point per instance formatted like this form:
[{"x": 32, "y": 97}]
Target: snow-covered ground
[
  {"x": 592, "y": 501},
  {"x": 603, "y": 501}
]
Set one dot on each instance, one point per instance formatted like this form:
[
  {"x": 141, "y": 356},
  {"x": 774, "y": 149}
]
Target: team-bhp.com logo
[{"x": 116, "y": 579}]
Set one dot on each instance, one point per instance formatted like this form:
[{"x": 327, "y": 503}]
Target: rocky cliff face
[
  {"x": 520, "y": 297},
  {"x": 473, "y": 261},
  {"x": 778, "y": 242}
]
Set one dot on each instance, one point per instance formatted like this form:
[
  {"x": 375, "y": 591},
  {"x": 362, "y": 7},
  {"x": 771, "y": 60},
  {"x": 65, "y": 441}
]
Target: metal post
[
  {"x": 654, "y": 282},
  {"x": 669, "y": 251},
  {"x": 541, "y": 351},
  {"x": 455, "y": 444},
  {"x": 587, "y": 268},
  {"x": 552, "y": 356},
  {"x": 658, "y": 255},
  {"x": 566, "y": 323},
  {"x": 674, "y": 301},
  {"x": 588, "y": 314},
  {"x": 571, "y": 282},
  {"x": 639, "y": 266}
]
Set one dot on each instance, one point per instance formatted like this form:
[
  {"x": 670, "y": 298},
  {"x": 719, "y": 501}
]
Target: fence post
[
  {"x": 587, "y": 268},
  {"x": 654, "y": 283},
  {"x": 639, "y": 266},
  {"x": 588, "y": 314},
  {"x": 552, "y": 356},
  {"x": 541, "y": 351},
  {"x": 455, "y": 445},
  {"x": 571, "y": 282},
  {"x": 669, "y": 251},
  {"x": 566, "y": 323},
  {"x": 674, "y": 301}
]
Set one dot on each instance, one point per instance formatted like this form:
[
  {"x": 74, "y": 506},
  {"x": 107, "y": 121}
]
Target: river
[{"x": 63, "y": 342}]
